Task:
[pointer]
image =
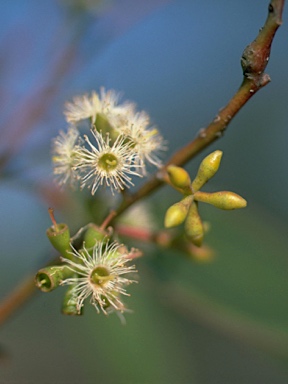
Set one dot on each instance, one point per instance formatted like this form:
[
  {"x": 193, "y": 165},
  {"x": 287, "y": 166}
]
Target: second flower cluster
[{"x": 118, "y": 144}]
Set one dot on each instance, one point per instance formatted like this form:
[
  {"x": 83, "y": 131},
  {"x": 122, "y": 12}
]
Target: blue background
[{"x": 223, "y": 322}]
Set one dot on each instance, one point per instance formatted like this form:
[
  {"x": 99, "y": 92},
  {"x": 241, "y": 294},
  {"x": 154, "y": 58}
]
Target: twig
[
  {"x": 107, "y": 220},
  {"x": 254, "y": 61},
  {"x": 16, "y": 298}
]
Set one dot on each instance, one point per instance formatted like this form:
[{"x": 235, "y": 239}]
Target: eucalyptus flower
[
  {"x": 99, "y": 275},
  {"x": 63, "y": 156},
  {"x": 146, "y": 142},
  {"x": 121, "y": 143},
  {"x": 107, "y": 104},
  {"x": 103, "y": 164}
]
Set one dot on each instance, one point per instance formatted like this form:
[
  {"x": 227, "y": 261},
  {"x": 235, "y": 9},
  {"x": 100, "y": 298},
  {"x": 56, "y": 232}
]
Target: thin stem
[
  {"x": 17, "y": 298},
  {"x": 254, "y": 61},
  {"x": 52, "y": 217},
  {"x": 21, "y": 293},
  {"x": 107, "y": 220},
  {"x": 142, "y": 234},
  {"x": 167, "y": 239}
]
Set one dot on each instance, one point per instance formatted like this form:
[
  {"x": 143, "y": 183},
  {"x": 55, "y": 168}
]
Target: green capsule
[
  {"x": 207, "y": 169},
  {"x": 69, "y": 305},
  {"x": 59, "y": 236},
  {"x": 176, "y": 214},
  {"x": 194, "y": 226},
  {"x": 49, "y": 278},
  {"x": 222, "y": 200},
  {"x": 94, "y": 234},
  {"x": 179, "y": 178}
]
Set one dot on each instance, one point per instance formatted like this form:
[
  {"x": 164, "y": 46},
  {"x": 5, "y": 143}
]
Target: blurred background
[{"x": 220, "y": 321}]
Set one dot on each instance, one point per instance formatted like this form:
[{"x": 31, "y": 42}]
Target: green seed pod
[
  {"x": 194, "y": 226},
  {"x": 207, "y": 169},
  {"x": 179, "y": 177},
  {"x": 176, "y": 214},
  {"x": 222, "y": 200},
  {"x": 50, "y": 278},
  {"x": 59, "y": 236},
  {"x": 94, "y": 234},
  {"x": 69, "y": 305}
]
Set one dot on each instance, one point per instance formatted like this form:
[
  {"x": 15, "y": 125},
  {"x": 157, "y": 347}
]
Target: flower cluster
[
  {"x": 186, "y": 210},
  {"x": 98, "y": 274},
  {"x": 97, "y": 269},
  {"x": 119, "y": 144}
]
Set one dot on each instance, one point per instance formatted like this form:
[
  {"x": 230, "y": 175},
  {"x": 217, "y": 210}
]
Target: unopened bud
[
  {"x": 50, "y": 278},
  {"x": 102, "y": 125},
  {"x": 194, "y": 226},
  {"x": 207, "y": 169},
  {"x": 179, "y": 177},
  {"x": 177, "y": 213},
  {"x": 222, "y": 200},
  {"x": 201, "y": 255},
  {"x": 94, "y": 234},
  {"x": 118, "y": 252}
]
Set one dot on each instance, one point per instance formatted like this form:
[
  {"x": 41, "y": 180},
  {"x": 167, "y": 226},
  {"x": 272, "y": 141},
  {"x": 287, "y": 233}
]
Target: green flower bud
[
  {"x": 207, "y": 169},
  {"x": 193, "y": 226},
  {"x": 177, "y": 213},
  {"x": 121, "y": 250},
  {"x": 179, "y": 177},
  {"x": 222, "y": 200},
  {"x": 94, "y": 234},
  {"x": 50, "y": 278},
  {"x": 69, "y": 305},
  {"x": 59, "y": 236},
  {"x": 102, "y": 125}
]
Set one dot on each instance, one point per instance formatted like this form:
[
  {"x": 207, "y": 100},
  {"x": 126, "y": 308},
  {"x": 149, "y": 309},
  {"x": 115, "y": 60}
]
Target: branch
[
  {"x": 17, "y": 298},
  {"x": 254, "y": 61}
]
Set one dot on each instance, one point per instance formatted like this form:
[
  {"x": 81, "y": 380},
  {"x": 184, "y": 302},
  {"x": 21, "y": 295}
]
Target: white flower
[
  {"x": 63, "y": 150},
  {"x": 121, "y": 145},
  {"x": 100, "y": 275},
  {"x": 145, "y": 140},
  {"x": 102, "y": 164},
  {"x": 85, "y": 106}
]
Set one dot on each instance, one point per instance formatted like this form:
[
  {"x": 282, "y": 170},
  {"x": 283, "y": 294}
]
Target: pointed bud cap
[
  {"x": 222, "y": 200},
  {"x": 194, "y": 226},
  {"x": 207, "y": 169},
  {"x": 177, "y": 213},
  {"x": 178, "y": 177}
]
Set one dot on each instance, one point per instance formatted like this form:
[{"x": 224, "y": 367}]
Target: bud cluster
[
  {"x": 117, "y": 145},
  {"x": 187, "y": 208},
  {"x": 96, "y": 269}
]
